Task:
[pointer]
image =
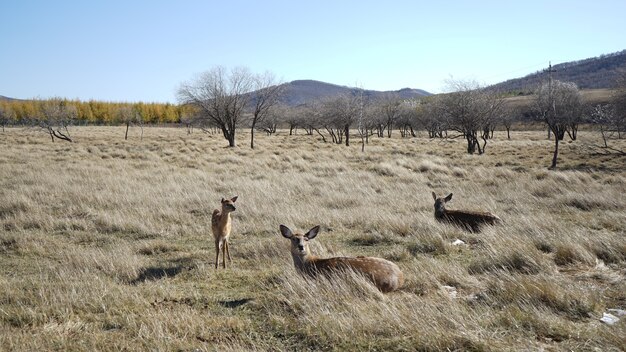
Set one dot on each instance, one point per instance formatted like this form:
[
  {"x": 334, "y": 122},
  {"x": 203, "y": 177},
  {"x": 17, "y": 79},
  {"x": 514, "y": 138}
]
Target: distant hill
[
  {"x": 303, "y": 91},
  {"x": 3, "y": 98},
  {"x": 593, "y": 73}
]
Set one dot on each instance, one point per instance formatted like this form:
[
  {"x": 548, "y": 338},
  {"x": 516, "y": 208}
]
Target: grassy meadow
[{"x": 106, "y": 244}]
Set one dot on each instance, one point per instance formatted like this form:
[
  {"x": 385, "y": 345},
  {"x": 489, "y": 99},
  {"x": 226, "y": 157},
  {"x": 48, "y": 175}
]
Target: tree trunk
[
  {"x": 126, "y": 134},
  {"x": 252, "y": 136},
  {"x": 471, "y": 143},
  {"x": 508, "y": 132},
  {"x": 231, "y": 139},
  {"x": 363, "y": 136},
  {"x": 574, "y": 131},
  {"x": 347, "y": 131},
  {"x": 331, "y": 132},
  {"x": 556, "y": 153},
  {"x": 321, "y": 135},
  {"x": 606, "y": 145},
  {"x": 482, "y": 150}
]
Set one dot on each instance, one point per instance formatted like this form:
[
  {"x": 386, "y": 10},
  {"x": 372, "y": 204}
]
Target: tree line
[
  {"x": 225, "y": 100},
  {"x": 92, "y": 112}
]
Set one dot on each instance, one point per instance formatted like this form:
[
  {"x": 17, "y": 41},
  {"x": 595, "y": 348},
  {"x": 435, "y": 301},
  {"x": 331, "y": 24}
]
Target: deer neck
[
  {"x": 303, "y": 261},
  {"x": 225, "y": 218}
]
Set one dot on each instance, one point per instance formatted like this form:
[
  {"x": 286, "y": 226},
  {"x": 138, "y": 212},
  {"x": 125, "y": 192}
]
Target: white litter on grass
[
  {"x": 458, "y": 242},
  {"x": 609, "y": 318},
  {"x": 450, "y": 290},
  {"x": 617, "y": 312}
]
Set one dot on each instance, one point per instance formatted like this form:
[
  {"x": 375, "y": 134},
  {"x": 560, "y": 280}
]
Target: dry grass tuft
[
  {"x": 567, "y": 254},
  {"x": 514, "y": 262},
  {"x": 541, "y": 291}
]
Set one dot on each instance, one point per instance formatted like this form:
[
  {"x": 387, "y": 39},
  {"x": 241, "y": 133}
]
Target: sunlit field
[{"x": 106, "y": 244}]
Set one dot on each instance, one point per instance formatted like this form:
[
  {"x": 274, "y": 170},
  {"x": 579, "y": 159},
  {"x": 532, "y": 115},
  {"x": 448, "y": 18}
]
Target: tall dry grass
[{"x": 105, "y": 244}]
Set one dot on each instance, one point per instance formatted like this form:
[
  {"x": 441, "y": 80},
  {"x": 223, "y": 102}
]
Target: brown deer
[
  {"x": 469, "y": 220},
  {"x": 384, "y": 274},
  {"x": 221, "y": 225}
]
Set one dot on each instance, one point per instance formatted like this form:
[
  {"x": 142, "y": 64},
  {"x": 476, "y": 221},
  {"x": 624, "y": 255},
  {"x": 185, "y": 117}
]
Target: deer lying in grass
[
  {"x": 470, "y": 220},
  {"x": 221, "y": 225},
  {"x": 384, "y": 274}
]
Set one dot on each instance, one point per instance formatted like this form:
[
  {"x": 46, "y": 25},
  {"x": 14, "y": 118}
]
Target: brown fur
[
  {"x": 221, "y": 225},
  {"x": 386, "y": 275},
  {"x": 469, "y": 220}
]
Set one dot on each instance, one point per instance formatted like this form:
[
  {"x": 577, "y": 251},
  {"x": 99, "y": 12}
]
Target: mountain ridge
[
  {"x": 302, "y": 91},
  {"x": 592, "y": 73}
]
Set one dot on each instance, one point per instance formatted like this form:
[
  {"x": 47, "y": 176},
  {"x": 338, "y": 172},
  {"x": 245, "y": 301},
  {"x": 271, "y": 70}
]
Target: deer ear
[
  {"x": 234, "y": 199},
  {"x": 285, "y": 231},
  {"x": 312, "y": 232},
  {"x": 222, "y": 200},
  {"x": 447, "y": 199},
  {"x": 434, "y": 196}
]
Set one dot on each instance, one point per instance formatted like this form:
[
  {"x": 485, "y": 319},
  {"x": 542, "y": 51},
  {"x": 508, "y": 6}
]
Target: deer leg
[
  {"x": 227, "y": 250},
  {"x": 224, "y": 254},
  {"x": 218, "y": 246}
]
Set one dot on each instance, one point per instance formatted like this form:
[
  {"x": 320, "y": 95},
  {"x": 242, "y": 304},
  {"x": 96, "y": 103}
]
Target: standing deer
[
  {"x": 469, "y": 220},
  {"x": 221, "y": 225},
  {"x": 384, "y": 274}
]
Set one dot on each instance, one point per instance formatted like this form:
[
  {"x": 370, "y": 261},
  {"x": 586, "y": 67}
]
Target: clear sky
[{"x": 142, "y": 50}]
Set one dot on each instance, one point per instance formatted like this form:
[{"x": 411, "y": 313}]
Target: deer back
[
  {"x": 470, "y": 219},
  {"x": 386, "y": 275}
]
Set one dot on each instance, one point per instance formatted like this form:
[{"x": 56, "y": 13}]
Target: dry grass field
[{"x": 106, "y": 244}]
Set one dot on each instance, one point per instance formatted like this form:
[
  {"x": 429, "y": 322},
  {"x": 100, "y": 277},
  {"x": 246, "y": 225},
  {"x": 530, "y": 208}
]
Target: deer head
[
  {"x": 228, "y": 205},
  {"x": 299, "y": 242},
  {"x": 440, "y": 203}
]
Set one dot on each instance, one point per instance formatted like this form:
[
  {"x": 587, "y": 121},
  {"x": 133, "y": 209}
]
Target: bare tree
[
  {"x": 429, "y": 118},
  {"x": 277, "y": 114},
  {"x": 327, "y": 115},
  {"x": 364, "y": 118},
  {"x": 470, "y": 109},
  {"x": 292, "y": 119},
  {"x": 266, "y": 94},
  {"x": 339, "y": 114},
  {"x": 390, "y": 107},
  {"x": 508, "y": 116},
  {"x": 129, "y": 115},
  {"x": 311, "y": 118},
  {"x": 558, "y": 104},
  {"x": 6, "y": 114},
  {"x": 221, "y": 96},
  {"x": 407, "y": 118},
  {"x": 55, "y": 115},
  {"x": 607, "y": 119}
]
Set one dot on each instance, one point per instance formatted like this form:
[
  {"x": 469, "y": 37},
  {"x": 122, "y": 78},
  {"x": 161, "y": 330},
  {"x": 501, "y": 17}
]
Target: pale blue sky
[{"x": 142, "y": 50}]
